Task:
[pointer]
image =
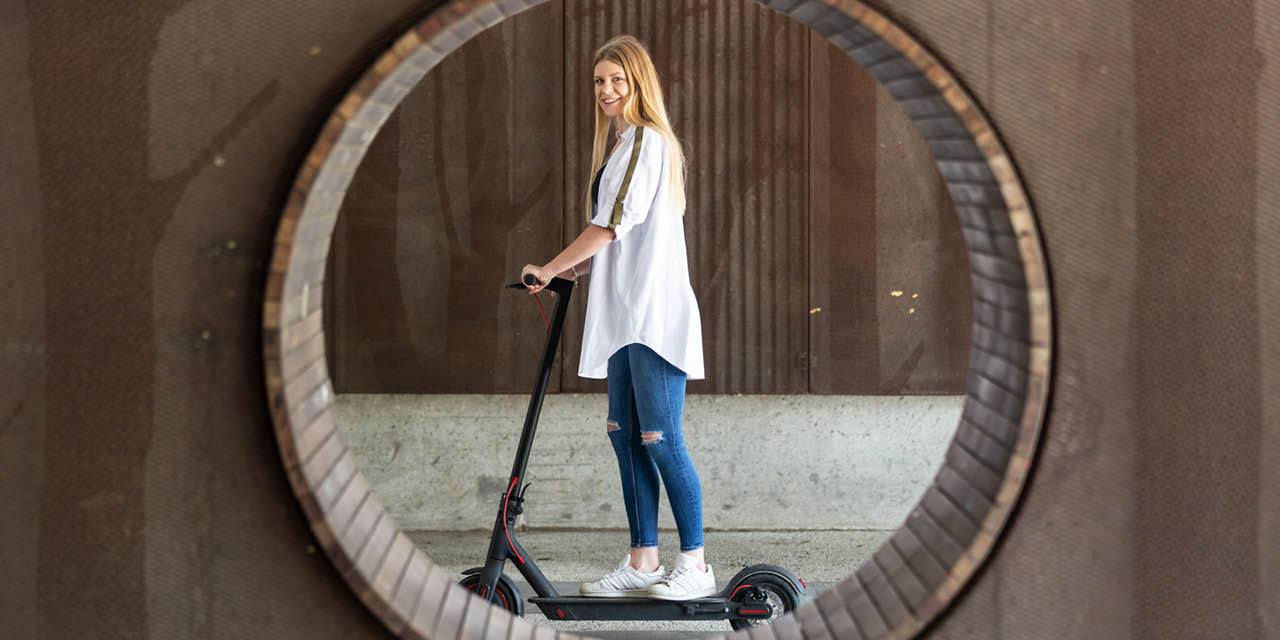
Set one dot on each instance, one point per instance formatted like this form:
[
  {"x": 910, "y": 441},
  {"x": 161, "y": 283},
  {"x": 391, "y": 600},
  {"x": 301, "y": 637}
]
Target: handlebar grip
[{"x": 529, "y": 280}]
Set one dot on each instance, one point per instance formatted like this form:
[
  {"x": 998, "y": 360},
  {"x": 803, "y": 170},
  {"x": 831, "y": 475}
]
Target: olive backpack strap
[{"x": 616, "y": 218}]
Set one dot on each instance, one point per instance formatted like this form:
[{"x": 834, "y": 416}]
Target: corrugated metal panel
[
  {"x": 922, "y": 296},
  {"x": 366, "y": 314},
  {"x": 803, "y": 194},
  {"x": 734, "y": 76},
  {"x": 460, "y": 189},
  {"x": 844, "y": 336},
  {"x": 889, "y": 276}
]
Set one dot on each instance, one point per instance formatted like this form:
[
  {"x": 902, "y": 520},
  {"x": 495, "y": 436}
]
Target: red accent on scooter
[
  {"x": 740, "y": 588},
  {"x": 544, "y": 313},
  {"x": 560, "y": 612},
  {"x": 505, "y": 605},
  {"x": 759, "y": 611},
  {"x": 505, "y": 500}
]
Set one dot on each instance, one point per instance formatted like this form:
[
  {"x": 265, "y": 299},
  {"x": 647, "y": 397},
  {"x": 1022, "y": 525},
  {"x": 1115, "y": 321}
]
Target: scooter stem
[
  {"x": 563, "y": 289},
  {"x": 503, "y": 543}
]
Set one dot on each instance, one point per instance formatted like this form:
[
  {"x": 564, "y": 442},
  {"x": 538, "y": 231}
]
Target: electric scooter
[{"x": 755, "y": 596}]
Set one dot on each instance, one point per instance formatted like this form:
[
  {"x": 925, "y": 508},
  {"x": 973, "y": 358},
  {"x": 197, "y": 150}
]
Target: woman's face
[{"x": 611, "y": 87}]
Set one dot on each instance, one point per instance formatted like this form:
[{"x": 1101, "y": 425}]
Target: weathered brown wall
[
  {"x": 1136, "y": 128},
  {"x": 146, "y": 149},
  {"x": 779, "y": 222},
  {"x": 463, "y": 184}
]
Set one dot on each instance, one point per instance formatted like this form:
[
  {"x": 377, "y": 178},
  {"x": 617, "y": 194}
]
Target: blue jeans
[{"x": 646, "y": 410}]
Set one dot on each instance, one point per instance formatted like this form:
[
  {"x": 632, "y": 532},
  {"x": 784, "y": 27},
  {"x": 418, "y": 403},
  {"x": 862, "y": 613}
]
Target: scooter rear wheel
[
  {"x": 504, "y": 597},
  {"x": 781, "y": 594}
]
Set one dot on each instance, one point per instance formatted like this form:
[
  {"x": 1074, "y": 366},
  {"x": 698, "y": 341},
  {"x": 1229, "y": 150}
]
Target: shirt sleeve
[{"x": 641, "y": 188}]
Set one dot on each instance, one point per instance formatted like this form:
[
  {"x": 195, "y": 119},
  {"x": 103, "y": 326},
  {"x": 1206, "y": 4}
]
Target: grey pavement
[{"x": 567, "y": 557}]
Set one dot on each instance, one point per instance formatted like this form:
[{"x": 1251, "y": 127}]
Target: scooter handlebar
[
  {"x": 528, "y": 281},
  {"x": 557, "y": 285}
]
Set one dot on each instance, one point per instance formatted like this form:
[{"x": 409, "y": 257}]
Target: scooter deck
[{"x": 584, "y": 608}]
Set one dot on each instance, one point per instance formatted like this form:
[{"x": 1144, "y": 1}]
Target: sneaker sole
[{"x": 706, "y": 593}]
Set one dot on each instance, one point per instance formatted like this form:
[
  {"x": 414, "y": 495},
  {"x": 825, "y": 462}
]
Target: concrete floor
[{"x": 567, "y": 557}]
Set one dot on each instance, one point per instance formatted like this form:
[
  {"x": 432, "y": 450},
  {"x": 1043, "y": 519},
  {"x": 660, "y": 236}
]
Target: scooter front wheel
[{"x": 507, "y": 596}]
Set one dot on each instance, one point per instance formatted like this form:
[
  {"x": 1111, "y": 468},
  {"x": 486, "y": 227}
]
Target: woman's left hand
[{"x": 543, "y": 276}]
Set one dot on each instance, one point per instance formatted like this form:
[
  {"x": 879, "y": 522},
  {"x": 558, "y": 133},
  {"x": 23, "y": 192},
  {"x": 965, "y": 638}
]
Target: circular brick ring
[{"x": 911, "y": 578}]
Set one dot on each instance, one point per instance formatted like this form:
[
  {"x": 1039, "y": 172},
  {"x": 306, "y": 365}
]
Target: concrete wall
[{"x": 766, "y": 462}]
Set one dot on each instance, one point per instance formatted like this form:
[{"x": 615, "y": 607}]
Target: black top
[{"x": 595, "y": 184}]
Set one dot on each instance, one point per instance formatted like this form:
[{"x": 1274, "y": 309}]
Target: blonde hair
[{"x": 644, "y": 107}]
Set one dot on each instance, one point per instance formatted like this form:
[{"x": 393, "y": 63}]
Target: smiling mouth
[{"x": 606, "y": 101}]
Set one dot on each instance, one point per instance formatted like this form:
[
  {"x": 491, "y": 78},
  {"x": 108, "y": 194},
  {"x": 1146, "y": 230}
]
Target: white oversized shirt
[{"x": 640, "y": 289}]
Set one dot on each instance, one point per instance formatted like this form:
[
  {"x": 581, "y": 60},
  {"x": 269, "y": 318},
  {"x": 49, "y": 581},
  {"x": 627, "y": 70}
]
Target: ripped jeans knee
[
  {"x": 618, "y": 437},
  {"x": 616, "y": 434}
]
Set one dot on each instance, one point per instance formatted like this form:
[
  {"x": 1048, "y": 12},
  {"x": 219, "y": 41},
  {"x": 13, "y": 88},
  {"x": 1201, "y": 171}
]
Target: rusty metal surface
[
  {"x": 22, "y": 329},
  {"x": 1267, "y": 263},
  {"x": 886, "y": 251},
  {"x": 1079, "y": 502},
  {"x": 1094, "y": 550},
  {"x": 487, "y": 180},
  {"x": 1199, "y": 290},
  {"x": 970, "y": 499},
  {"x": 460, "y": 189},
  {"x": 843, "y": 241},
  {"x": 735, "y": 76},
  {"x": 146, "y": 164},
  {"x": 184, "y": 488}
]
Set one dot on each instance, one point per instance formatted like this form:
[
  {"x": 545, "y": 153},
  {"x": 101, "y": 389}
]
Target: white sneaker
[
  {"x": 685, "y": 582},
  {"x": 621, "y": 582}
]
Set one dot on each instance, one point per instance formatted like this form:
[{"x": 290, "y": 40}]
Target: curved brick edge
[{"x": 910, "y": 579}]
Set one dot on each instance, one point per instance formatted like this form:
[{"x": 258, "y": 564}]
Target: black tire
[
  {"x": 506, "y": 597},
  {"x": 783, "y": 597}
]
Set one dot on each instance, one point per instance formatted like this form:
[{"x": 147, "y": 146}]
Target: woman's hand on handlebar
[{"x": 541, "y": 274}]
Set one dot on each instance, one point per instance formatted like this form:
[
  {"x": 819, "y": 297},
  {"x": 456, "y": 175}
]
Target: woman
[{"x": 642, "y": 330}]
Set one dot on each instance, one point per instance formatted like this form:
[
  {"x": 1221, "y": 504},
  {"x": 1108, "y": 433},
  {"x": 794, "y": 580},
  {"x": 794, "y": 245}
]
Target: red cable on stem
[{"x": 544, "y": 313}]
